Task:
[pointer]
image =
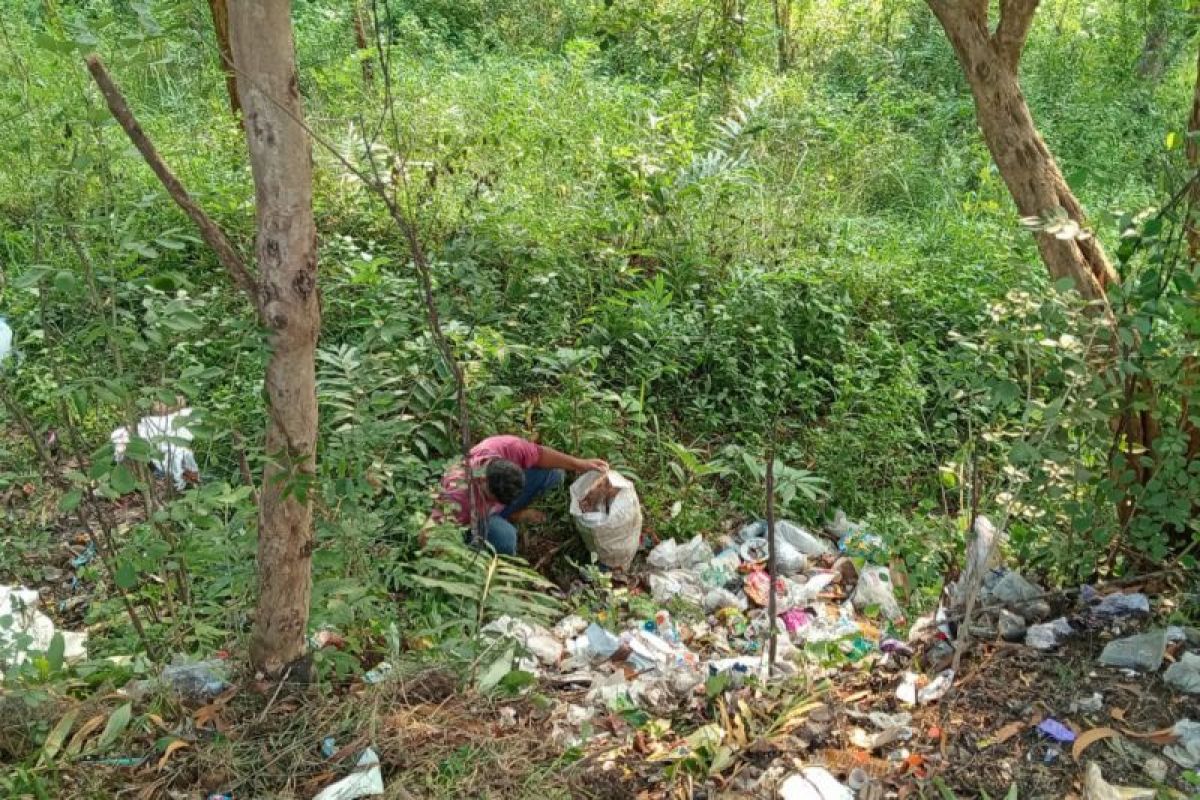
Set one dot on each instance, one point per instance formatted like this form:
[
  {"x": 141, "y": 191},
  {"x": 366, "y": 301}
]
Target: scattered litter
[
  {"x": 1118, "y": 605},
  {"x": 201, "y": 680},
  {"x": 875, "y": 589},
  {"x": 365, "y": 781},
  {"x": 1186, "y": 750},
  {"x": 796, "y": 620},
  {"x": 328, "y": 746},
  {"x": 570, "y": 626},
  {"x": 814, "y": 783},
  {"x": 937, "y": 688},
  {"x": 1184, "y": 674},
  {"x": 168, "y": 433},
  {"x": 906, "y": 692},
  {"x": 788, "y": 560},
  {"x": 31, "y": 631},
  {"x": 612, "y": 534},
  {"x": 539, "y": 641},
  {"x": 380, "y": 673},
  {"x": 1088, "y": 705},
  {"x": 983, "y": 553},
  {"x": 676, "y": 583},
  {"x": 1096, "y": 788},
  {"x": 757, "y": 586},
  {"x": 1155, "y": 769},
  {"x": 84, "y": 558},
  {"x": 716, "y": 599},
  {"x": 1143, "y": 652},
  {"x": 806, "y": 543},
  {"x": 6, "y": 337},
  {"x": 1049, "y": 635},
  {"x": 1016, "y": 594},
  {"x": 1056, "y": 730},
  {"x": 1010, "y": 626},
  {"x": 671, "y": 555}
]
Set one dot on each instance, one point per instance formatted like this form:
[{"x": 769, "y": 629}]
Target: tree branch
[
  {"x": 1016, "y": 17},
  {"x": 212, "y": 234}
]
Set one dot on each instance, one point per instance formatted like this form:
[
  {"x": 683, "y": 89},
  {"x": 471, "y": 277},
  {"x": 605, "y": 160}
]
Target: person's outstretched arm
[{"x": 549, "y": 458}]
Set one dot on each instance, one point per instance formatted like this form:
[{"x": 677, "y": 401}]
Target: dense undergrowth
[{"x": 648, "y": 246}]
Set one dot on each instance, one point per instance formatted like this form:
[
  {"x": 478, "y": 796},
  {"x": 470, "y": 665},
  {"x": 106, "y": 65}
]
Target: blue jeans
[{"x": 502, "y": 534}]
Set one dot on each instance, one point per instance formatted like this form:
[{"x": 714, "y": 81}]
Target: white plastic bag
[
  {"x": 20, "y": 605},
  {"x": 875, "y": 589},
  {"x": 613, "y": 536}
]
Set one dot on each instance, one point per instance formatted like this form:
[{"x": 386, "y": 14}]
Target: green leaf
[
  {"x": 31, "y": 276},
  {"x": 716, "y": 684},
  {"x": 48, "y": 42},
  {"x": 121, "y": 479},
  {"x": 183, "y": 321},
  {"x": 117, "y": 724},
  {"x": 58, "y": 735},
  {"x": 496, "y": 671},
  {"x": 70, "y": 501},
  {"x": 126, "y": 576},
  {"x": 516, "y": 680},
  {"x": 56, "y": 652}
]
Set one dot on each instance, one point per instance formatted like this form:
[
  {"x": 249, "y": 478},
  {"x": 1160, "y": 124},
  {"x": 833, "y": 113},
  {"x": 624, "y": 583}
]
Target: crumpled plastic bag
[
  {"x": 807, "y": 543},
  {"x": 1185, "y": 752},
  {"x": 613, "y": 535},
  {"x": 21, "y": 604},
  {"x": 365, "y": 781},
  {"x": 539, "y": 641},
  {"x": 167, "y": 433},
  {"x": 716, "y": 599},
  {"x": 983, "y": 553},
  {"x": 1143, "y": 652},
  {"x": 6, "y": 337},
  {"x": 788, "y": 560},
  {"x": 1019, "y": 595},
  {"x": 677, "y": 582},
  {"x": 1184, "y": 674},
  {"x": 1049, "y": 635},
  {"x": 814, "y": 783},
  {"x": 670, "y": 554},
  {"x": 875, "y": 589}
]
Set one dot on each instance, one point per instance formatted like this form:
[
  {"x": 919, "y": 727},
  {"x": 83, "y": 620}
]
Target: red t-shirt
[{"x": 452, "y": 500}]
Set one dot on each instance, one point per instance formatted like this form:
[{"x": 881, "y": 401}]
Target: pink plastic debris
[{"x": 795, "y": 619}]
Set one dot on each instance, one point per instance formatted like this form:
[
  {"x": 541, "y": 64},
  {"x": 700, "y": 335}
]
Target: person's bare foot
[{"x": 529, "y": 515}]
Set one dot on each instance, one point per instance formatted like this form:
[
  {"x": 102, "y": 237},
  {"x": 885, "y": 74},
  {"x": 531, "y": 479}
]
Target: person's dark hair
[{"x": 505, "y": 480}]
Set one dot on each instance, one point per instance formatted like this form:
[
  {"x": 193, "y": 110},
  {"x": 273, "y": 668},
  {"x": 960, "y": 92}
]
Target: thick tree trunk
[
  {"x": 281, "y": 160},
  {"x": 1025, "y": 163},
  {"x": 1191, "y": 370},
  {"x": 220, "y": 17}
]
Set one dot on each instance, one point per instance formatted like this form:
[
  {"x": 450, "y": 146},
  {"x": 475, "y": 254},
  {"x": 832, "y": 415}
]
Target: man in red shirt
[{"x": 508, "y": 473}]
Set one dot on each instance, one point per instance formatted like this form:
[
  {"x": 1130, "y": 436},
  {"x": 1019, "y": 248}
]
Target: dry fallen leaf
[
  {"x": 1004, "y": 734},
  {"x": 171, "y": 748},
  {"x": 1163, "y": 736},
  {"x": 1089, "y": 738},
  {"x": 1118, "y": 714},
  {"x": 75, "y": 746}
]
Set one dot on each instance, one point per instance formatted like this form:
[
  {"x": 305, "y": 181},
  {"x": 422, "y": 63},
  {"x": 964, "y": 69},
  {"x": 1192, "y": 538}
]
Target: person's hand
[{"x": 597, "y": 464}]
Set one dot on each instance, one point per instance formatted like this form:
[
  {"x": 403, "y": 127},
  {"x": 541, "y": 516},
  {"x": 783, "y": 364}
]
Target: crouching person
[{"x": 507, "y": 474}]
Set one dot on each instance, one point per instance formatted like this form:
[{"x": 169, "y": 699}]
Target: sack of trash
[{"x": 612, "y": 529}]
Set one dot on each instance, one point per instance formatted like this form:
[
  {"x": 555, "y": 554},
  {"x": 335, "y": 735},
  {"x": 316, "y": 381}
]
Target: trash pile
[{"x": 710, "y": 628}]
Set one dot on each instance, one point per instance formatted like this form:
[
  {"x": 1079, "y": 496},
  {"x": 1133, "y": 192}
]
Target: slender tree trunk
[
  {"x": 989, "y": 62},
  {"x": 362, "y": 41},
  {"x": 783, "y": 33},
  {"x": 220, "y": 16},
  {"x": 286, "y": 247}
]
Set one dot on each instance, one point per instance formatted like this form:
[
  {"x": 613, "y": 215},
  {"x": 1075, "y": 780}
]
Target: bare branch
[
  {"x": 1016, "y": 17},
  {"x": 212, "y": 234}
]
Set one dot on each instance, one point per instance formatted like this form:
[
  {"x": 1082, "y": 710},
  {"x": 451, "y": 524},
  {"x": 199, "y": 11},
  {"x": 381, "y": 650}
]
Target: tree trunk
[
  {"x": 220, "y": 16},
  {"x": 362, "y": 42},
  {"x": 1026, "y": 165},
  {"x": 1191, "y": 371},
  {"x": 783, "y": 33},
  {"x": 286, "y": 247}
]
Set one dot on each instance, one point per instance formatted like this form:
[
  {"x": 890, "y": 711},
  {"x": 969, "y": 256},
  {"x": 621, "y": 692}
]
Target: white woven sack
[{"x": 614, "y": 536}]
